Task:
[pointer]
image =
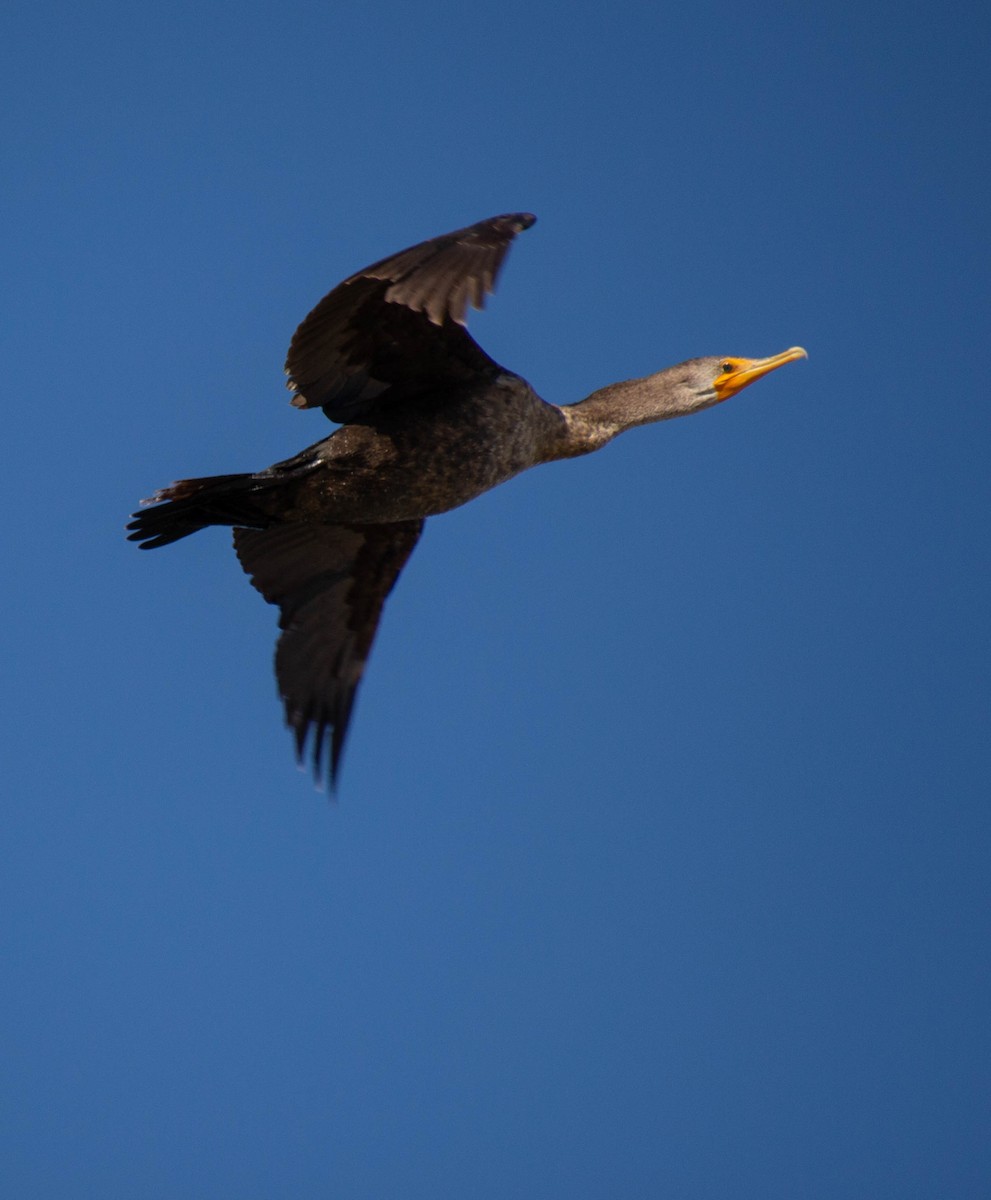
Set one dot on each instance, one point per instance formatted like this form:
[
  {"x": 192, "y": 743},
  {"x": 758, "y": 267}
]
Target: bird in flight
[{"x": 427, "y": 422}]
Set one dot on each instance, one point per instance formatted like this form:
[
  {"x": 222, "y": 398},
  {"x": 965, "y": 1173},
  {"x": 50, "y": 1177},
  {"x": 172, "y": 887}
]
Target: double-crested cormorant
[{"x": 428, "y": 422}]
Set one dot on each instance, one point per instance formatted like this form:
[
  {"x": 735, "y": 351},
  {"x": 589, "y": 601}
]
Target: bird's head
[{"x": 702, "y": 382}]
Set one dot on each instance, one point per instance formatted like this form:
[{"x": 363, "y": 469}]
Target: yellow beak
[{"x": 743, "y": 371}]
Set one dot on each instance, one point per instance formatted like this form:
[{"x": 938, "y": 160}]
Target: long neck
[{"x": 598, "y": 418}]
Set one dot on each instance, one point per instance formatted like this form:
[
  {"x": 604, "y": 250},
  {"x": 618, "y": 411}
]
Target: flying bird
[{"x": 427, "y": 422}]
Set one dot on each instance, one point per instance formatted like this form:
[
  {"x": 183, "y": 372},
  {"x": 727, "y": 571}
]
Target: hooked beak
[{"x": 743, "y": 371}]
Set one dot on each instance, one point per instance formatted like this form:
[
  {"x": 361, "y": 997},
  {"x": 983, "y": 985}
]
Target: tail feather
[{"x": 192, "y": 504}]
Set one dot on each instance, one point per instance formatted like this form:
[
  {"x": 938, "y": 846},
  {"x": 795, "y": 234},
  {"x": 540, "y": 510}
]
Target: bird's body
[
  {"x": 424, "y": 461},
  {"x": 429, "y": 423}
]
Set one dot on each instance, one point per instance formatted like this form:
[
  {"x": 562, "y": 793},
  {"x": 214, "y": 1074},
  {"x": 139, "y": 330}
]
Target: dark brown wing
[
  {"x": 396, "y": 329},
  {"x": 330, "y": 582}
]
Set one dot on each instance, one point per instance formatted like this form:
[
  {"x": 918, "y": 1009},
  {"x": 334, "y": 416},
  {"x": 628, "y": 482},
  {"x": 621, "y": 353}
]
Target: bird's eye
[{"x": 726, "y": 366}]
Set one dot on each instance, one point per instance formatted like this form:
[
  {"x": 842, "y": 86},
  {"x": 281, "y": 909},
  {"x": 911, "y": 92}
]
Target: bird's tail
[{"x": 192, "y": 504}]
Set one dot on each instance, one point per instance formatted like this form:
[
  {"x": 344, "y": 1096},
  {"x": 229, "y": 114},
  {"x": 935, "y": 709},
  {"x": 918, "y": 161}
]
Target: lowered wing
[{"x": 330, "y": 582}]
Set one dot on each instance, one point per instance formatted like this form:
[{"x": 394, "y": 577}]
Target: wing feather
[
  {"x": 330, "y": 583},
  {"x": 395, "y": 330}
]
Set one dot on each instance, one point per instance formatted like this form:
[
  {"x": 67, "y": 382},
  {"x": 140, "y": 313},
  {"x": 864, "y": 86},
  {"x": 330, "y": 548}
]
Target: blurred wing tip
[
  {"x": 516, "y": 221},
  {"x": 310, "y": 758}
]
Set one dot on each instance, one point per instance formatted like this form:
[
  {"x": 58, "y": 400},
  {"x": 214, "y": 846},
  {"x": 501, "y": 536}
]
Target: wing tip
[
  {"x": 312, "y": 734},
  {"x": 517, "y": 222}
]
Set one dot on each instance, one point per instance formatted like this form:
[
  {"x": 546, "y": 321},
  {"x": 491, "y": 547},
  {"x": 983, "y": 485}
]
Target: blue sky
[{"x": 660, "y": 863}]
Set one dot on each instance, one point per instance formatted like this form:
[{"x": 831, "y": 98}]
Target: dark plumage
[{"x": 429, "y": 421}]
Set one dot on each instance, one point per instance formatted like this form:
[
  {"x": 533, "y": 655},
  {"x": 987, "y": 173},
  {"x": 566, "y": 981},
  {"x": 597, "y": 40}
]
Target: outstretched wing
[
  {"x": 330, "y": 582},
  {"x": 396, "y": 329}
]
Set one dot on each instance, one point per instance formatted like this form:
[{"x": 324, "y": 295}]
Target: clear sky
[{"x": 660, "y": 862}]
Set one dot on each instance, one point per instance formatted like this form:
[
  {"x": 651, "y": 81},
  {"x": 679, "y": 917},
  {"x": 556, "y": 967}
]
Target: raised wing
[
  {"x": 396, "y": 329},
  {"x": 330, "y": 582}
]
